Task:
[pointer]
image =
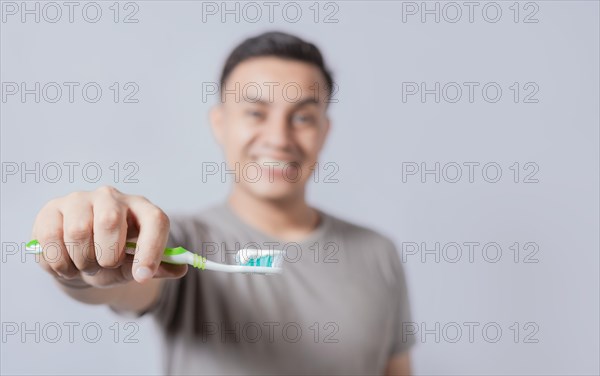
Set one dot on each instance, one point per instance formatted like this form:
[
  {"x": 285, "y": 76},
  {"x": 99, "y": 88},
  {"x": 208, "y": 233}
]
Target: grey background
[{"x": 170, "y": 52}]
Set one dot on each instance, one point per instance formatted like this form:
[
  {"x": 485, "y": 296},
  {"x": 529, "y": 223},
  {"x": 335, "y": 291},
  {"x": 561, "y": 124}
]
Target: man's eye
[
  {"x": 255, "y": 114},
  {"x": 304, "y": 119}
]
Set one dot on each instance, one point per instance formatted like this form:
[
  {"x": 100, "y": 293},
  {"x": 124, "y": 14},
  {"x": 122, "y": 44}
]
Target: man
[{"x": 341, "y": 301}]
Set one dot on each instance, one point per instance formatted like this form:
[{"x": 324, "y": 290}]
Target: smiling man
[{"x": 340, "y": 305}]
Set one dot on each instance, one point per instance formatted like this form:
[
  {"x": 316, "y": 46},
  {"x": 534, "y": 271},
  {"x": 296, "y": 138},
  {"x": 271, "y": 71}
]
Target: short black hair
[{"x": 277, "y": 44}]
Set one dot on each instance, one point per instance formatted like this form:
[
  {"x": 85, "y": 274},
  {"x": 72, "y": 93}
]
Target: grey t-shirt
[{"x": 338, "y": 306}]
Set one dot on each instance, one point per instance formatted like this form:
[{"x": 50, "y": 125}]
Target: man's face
[{"x": 272, "y": 124}]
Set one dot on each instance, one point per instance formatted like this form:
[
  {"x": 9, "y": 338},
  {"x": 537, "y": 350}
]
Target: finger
[
  {"x": 36, "y": 234},
  {"x": 110, "y": 231},
  {"x": 152, "y": 239},
  {"x": 166, "y": 270},
  {"x": 110, "y": 277},
  {"x": 49, "y": 233},
  {"x": 78, "y": 237},
  {"x": 127, "y": 267}
]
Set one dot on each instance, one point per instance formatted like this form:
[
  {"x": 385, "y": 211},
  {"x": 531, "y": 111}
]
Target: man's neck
[{"x": 290, "y": 220}]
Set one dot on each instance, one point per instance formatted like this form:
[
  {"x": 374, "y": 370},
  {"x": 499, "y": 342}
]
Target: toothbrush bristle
[
  {"x": 268, "y": 261},
  {"x": 258, "y": 257}
]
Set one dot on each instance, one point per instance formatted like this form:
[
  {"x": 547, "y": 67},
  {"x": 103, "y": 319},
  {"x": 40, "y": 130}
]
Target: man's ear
[{"x": 216, "y": 122}]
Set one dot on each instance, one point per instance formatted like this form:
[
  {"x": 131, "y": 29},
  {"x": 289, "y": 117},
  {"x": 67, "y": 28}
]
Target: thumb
[{"x": 171, "y": 271}]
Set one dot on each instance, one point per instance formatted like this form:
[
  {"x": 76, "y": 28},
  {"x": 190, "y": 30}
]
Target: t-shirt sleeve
[{"x": 403, "y": 339}]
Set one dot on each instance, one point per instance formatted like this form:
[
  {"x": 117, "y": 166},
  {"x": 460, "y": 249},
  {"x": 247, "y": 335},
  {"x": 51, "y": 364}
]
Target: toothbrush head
[{"x": 270, "y": 258}]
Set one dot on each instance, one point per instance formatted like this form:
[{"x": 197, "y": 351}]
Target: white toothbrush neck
[{"x": 240, "y": 268}]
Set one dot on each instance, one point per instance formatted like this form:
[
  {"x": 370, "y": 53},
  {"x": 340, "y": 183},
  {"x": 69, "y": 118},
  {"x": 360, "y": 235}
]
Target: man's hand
[
  {"x": 83, "y": 236},
  {"x": 399, "y": 365}
]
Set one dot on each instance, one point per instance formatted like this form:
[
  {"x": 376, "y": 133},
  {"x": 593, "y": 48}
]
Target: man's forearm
[{"x": 132, "y": 296}]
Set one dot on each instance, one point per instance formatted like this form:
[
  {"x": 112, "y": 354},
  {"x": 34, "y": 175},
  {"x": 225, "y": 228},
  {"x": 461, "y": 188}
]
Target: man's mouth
[{"x": 276, "y": 163}]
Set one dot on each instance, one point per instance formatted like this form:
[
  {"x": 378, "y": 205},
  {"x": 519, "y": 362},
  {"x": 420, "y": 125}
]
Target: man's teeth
[{"x": 272, "y": 163}]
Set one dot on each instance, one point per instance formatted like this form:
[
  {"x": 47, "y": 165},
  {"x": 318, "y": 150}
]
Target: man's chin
[{"x": 274, "y": 192}]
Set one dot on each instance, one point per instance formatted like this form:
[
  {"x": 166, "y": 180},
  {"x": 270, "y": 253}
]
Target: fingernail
[{"x": 143, "y": 272}]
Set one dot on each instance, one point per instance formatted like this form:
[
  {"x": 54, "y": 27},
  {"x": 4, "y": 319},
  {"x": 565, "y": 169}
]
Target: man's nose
[{"x": 277, "y": 133}]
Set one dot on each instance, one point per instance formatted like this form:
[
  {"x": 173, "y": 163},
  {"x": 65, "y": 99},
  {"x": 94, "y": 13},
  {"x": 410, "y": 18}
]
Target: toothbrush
[{"x": 259, "y": 261}]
